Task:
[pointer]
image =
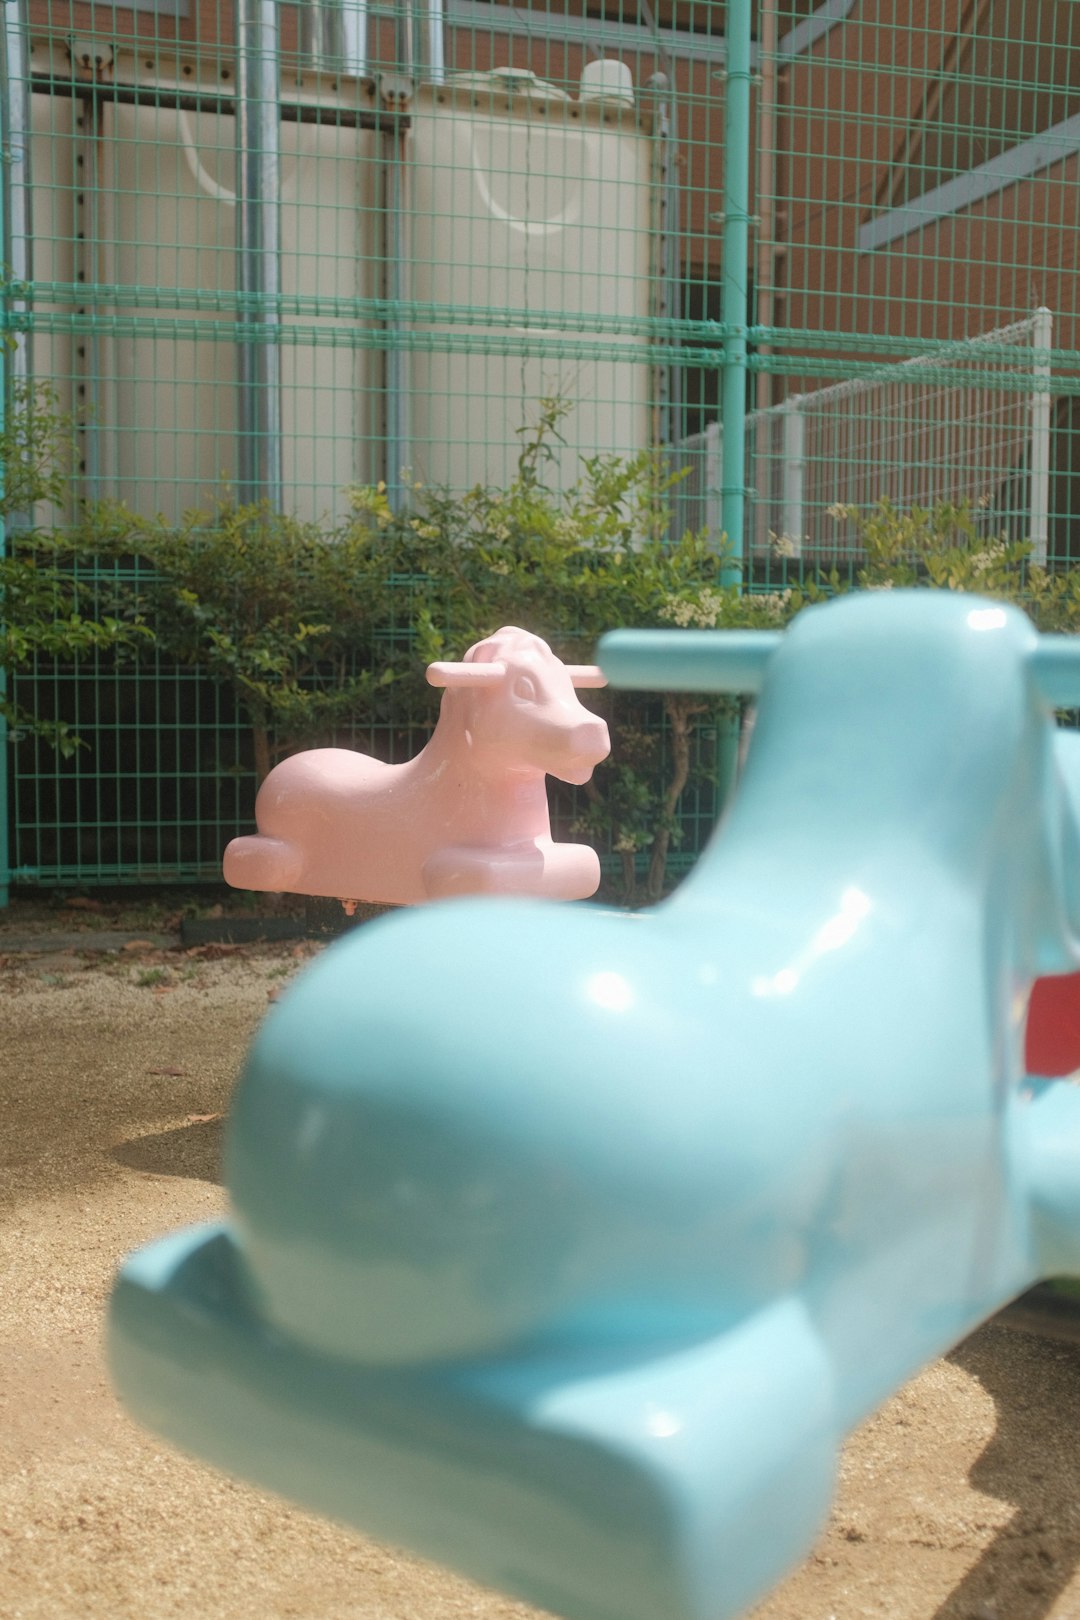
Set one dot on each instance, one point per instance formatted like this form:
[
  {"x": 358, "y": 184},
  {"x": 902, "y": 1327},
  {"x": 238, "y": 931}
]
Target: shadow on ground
[
  {"x": 1033, "y": 1464},
  {"x": 192, "y": 1150}
]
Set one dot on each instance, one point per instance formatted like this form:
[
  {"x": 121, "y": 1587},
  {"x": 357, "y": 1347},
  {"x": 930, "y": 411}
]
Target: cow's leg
[
  {"x": 543, "y": 869},
  {"x": 259, "y": 862},
  {"x": 571, "y": 871}
]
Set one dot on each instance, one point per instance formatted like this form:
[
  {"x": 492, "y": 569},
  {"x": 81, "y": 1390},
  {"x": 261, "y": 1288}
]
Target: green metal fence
[{"x": 822, "y": 253}]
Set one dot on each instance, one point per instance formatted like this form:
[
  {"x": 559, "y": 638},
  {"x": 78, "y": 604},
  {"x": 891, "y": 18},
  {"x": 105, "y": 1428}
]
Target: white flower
[
  {"x": 982, "y": 561},
  {"x": 783, "y": 545},
  {"x": 701, "y": 614},
  {"x": 775, "y": 603}
]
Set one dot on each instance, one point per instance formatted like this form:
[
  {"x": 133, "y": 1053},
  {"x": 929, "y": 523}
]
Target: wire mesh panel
[
  {"x": 272, "y": 252},
  {"x": 962, "y": 426},
  {"x": 917, "y": 203},
  {"x": 277, "y": 252}
]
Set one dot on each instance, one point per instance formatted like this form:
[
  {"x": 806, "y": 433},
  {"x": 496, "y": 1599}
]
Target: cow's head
[
  {"x": 520, "y": 709},
  {"x": 904, "y": 722}
]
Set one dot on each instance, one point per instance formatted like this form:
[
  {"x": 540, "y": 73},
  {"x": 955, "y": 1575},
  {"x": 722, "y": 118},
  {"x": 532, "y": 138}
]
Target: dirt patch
[{"x": 960, "y": 1500}]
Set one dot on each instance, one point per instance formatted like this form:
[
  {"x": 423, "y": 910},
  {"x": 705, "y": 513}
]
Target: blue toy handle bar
[
  {"x": 1057, "y": 670},
  {"x": 731, "y": 661}
]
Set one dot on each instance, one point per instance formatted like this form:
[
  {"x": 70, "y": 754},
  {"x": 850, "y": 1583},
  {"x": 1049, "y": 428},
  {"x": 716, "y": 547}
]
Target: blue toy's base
[{"x": 667, "y": 1485}]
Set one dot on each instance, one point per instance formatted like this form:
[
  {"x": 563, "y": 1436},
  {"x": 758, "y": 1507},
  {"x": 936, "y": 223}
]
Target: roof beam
[{"x": 1042, "y": 151}]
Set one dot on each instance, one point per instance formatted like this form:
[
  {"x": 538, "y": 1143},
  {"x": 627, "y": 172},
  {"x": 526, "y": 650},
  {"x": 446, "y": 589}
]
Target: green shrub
[
  {"x": 569, "y": 567},
  {"x": 315, "y": 630},
  {"x": 42, "y": 613},
  {"x": 281, "y": 613},
  {"x": 319, "y": 630}
]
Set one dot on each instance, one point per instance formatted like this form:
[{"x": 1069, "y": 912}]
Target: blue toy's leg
[
  {"x": 737, "y": 1436},
  {"x": 677, "y": 1486}
]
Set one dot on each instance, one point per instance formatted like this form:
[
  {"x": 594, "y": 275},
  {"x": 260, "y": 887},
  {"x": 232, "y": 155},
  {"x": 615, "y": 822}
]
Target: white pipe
[
  {"x": 334, "y": 37},
  {"x": 1042, "y": 339}
]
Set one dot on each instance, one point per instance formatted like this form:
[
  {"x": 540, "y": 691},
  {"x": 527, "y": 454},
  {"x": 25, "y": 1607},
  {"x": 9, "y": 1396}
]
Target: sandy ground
[{"x": 959, "y": 1501}]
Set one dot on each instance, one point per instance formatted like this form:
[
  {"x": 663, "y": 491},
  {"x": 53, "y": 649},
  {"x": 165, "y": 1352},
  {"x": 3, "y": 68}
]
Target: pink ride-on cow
[{"x": 468, "y": 815}]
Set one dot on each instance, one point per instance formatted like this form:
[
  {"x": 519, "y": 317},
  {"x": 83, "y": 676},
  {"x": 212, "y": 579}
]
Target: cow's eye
[{"x": 525, "y": 689}]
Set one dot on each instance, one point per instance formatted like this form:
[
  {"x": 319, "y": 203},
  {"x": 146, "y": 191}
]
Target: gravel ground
[{"x": 958, "y": 1501}]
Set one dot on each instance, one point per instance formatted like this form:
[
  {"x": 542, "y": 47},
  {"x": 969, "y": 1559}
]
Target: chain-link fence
[{"x": 820, "y": 253}]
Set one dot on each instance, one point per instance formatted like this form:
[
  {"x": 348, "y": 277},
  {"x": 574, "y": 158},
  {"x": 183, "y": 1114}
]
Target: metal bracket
[
  {"x": 92, "y": 55},
  {"x": 396, "y": 90},
  {"x": 722, "y": 75}
]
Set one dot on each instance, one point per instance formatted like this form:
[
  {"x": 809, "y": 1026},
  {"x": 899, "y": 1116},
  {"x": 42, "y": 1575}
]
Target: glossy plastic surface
[
  {"x": 566, "y": 1247},
  {"x": 468, "y": 815}
]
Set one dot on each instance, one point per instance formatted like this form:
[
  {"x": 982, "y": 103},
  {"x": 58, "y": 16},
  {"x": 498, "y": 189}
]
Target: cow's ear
[
  {"x": 1055, "y": 664},
  {"x": 448, "y": 674},
  {"x": 586, "y": 674}
]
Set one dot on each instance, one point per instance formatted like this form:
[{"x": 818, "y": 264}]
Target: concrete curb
[{"x": 96, "y": 940}]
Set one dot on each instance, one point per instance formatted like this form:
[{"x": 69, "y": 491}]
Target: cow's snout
[
  {"x": 589, "y": 743},
  {"x": 591, "y": 740}
]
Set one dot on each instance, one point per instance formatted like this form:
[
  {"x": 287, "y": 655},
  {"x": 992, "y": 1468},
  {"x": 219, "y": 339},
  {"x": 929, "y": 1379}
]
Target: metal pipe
[
  {"x": 770, "y": 252},
  {"x": 396, "y": 437},
  {"x": 16, "y": 269},
  {"x": 735, "y": 281},
  {"x": 1042, "y": 338},
  {"x": 17, "y": 238},
  {"x": 87, "y": 368},
  {"x": 334, "y": 37},
  {"x": 14, "y": 139},
  {"x": 429, "y": 41},
  {"x": 668, "y": 419},
  {"x": 417, "y": 33},
  {"x": 258, "y": 238},
  {"x": 793, "y": 473}
]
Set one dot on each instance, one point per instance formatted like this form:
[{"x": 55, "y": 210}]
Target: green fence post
[
  {"x": 735, "y": 279},
  {"x": 734, "y": 313},
  {"x": 258, "y": 249},
  {"x": 5, "y": 853},
  {"x": 15, "y": 269}
]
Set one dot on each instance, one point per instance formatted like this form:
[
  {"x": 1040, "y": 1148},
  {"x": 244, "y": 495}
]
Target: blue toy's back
[{"x": 567, "y": 1247}]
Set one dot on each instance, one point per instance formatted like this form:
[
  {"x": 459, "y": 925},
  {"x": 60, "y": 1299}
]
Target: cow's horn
[
  {"x": 1055, "y": 664},
  {"x": 586, "y": 674},
  {"x": 448, "y": 674},
  {"x": 731, "y": 661}
]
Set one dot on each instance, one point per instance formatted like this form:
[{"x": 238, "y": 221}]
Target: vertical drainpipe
[
  {"x": 429, "y": 40},
  {"x": 258, "y": 241},
  {"x": 334, "y": 37},
  {"x": 15, "y": 266},
  {"x": 15, "y": 112},
  {"x": 419, "y": 52},
  {"x": 667, "y": 410},
  {"x": 766, "y": 257},
  {"x": 735, "y": 290},
  {"x": 734, "y": 314},
  {"x": 396, "y": 426},
  {"x": 1042, "y": 339}
]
